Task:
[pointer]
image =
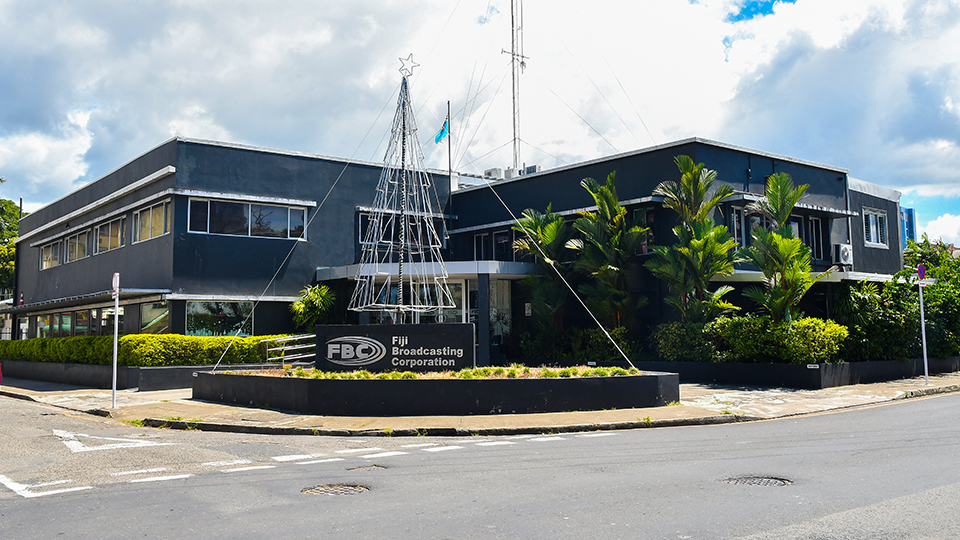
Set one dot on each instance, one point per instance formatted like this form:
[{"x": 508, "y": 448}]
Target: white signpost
[
  {"x": 921, "y": 271},
  {"x": 116, "y": 331}
]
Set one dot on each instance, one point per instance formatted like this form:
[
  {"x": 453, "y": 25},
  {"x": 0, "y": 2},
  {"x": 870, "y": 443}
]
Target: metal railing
[{"x": 291, "y": 348}]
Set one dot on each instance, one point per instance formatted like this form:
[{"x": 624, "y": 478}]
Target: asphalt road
[{"x": 890, "y": 471}]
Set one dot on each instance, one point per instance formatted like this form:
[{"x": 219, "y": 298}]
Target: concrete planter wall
[
  {"x": 427, "y": 397},
  {"x": 805, "y": 376}
]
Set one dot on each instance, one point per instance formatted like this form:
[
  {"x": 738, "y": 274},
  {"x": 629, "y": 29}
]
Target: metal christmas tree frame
[{"x": 401, "y": 270}]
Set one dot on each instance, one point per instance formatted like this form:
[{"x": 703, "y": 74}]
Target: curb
[{"x": 447, "y": 432}]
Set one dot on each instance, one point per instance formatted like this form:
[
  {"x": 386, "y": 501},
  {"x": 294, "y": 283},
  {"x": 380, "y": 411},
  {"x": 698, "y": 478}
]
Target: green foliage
[
  {"x": 751, "y": 339},
  {"x": 9, "y": 230},
  {"x": 610, "y": 237},
  {"x": 883, "y": 320},
  {"x": 942, "y": 299},
  {"x": 703, "y": 250},
  {"x": 577, "y": 345},
  {"x": 313, "y": 307},
  {"x": 544, "y": 237},
  {"x": 683, "y": 342},
  {"x": 137, "y": 350},
  {"x": 783, "y": 259}
]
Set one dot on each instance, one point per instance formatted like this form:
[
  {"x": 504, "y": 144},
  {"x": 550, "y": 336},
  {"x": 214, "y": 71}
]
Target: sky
[{"x": 869, "y": 85}]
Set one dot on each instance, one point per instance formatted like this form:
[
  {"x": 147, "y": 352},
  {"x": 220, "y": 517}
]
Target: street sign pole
[
  {"x": 921, "y": 271},
  {"x": 116, "y": 331}
]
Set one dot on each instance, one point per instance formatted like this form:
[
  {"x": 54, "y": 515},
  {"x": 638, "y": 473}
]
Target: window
[
  {"x": 66, "y": 327},
  {"x": 81, "y": 323},
  {"x": 154, "y": 318},
  {"x": 106, "y": 321},
  {"x": 647, "y": 220},
  {"x": 50, "y": 255},
  {"x": 816, "y": 238},
  {"x": 219, "y": 318},
  {"x": 43, "y": 326},
  {"x": 503, "y": 245},
  {"x": 796, "y": 225},
  {"x": 481, "y": 249},
  {"x": 77, "y": 246},
  {"x": 875, "y": 227},
  {"x": 151, "y": 222},
  {"x": 110, "y": 236},
  {"x": 244, "y": 219},
  {"x": 736, "y": 226}
]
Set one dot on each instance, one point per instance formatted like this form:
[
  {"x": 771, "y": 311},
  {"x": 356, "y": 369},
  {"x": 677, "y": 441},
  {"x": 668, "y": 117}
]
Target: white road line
[
  {"x": 55, "y": 483},
  {"x": 328, "y": 460},
  {"x": 422, "y": 445},
  {"x": 226, "y": 463},
  {"x": 442, "y": 448},
  {"x": 495, "y": 443},
  {"x": 141, "y": 471},
  {"x": 356, "y": 450},
  {"x": 602, "y": 434},
  {"x": 70, "y": 439},
  {"x": 295, "y": 457},
  {"x": 385, "y": 454},
  {"x": 24, "y": 490},
  {"x": 551, "y": 438},
  {"x": 161, "y": 478},
  {"x": 254, "y": 468}
]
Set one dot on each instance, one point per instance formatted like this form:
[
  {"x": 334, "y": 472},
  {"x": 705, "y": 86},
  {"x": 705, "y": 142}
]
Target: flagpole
[{"x": 449, "y": 152}]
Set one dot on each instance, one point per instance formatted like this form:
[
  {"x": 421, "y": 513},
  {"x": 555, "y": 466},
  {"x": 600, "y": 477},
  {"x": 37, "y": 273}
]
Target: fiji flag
[{"x": 444, "y": 131}]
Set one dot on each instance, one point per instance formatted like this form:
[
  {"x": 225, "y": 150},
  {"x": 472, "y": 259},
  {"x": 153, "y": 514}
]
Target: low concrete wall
[
  {"x": 92, "y": 376},
  {"x": 429, "y": 397},
  {"x": 804, "y": 376}
]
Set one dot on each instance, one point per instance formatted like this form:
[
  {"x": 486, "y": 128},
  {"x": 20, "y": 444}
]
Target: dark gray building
[{"x": 205, "y": 233}]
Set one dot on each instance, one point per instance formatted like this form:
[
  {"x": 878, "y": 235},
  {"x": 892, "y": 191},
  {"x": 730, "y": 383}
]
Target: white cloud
[
  {"x": 945, "y": 227},
  {"x": 40, "y": 164}
]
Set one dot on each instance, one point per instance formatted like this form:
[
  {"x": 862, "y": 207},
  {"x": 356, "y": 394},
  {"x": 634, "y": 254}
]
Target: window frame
[
  {"x": 166, "y": 212},
  {"x": 122, "y": 237},
  {"x": 86, "y": 246},
  {"x": 882, "y": 228},
  {"x": 249, "y": 207},
  {"x": 59, "y": 254}
]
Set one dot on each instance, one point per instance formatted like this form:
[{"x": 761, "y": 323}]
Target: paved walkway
[{"x": 700, "y": 404}]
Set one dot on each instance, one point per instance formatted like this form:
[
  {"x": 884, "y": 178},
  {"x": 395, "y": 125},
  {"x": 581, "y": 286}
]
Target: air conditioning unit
[
  {"x": 843, "y": 254},
  {"x": 531, "y": 169},
  {"x": 494, "y": 173}
]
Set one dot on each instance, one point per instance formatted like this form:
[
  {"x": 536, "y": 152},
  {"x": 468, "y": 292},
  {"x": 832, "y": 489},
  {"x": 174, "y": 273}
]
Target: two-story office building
[{"x": 210, "y": 238}]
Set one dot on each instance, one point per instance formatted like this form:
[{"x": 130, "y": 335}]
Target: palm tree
[
  {"x": 313, "y": 307},
  {"x": 703, "y": 250},
  {"x": 544, "y": 237},
  {"x": 610, "y": 237},
  {"x": 783, "y": 259}
]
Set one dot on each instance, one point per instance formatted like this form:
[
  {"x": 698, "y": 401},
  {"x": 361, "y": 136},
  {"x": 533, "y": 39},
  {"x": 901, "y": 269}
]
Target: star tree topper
[{"x": 408, "y": 65}]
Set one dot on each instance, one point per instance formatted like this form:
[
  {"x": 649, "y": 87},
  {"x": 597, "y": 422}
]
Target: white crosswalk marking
[
  {"x": 358, "y": 450},
  {"x": 314, "y": 462},
  {"x": 72, "y": 442},
  {"x": 385, "y": 454},
  {"x": 442, "y": 448},
  {"x": 141, "y": 471},
  {"x": 601, "y": 434},
  {"x": 296, "y": 457},
  {"x": 495, "y": 443},
  {"x": 226, "y": 463},
  {"x": 161, "y": 478},
  {"x": 254, "y": 468},
  {"x": 550, "y": 438}
]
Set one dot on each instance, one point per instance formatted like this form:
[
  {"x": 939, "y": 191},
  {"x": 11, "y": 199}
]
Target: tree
[
  {"x": 703, "y": 250},
  {"x": 783, "y": 259},
  {"x": 610, "y": 237},
  {"x": 9, "y": 230},
  {"x": 544, "y": 236},
  {"x": 313, "y": 307}
]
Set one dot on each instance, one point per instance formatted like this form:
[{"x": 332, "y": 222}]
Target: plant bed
[
  {"x": 435, "y": 397},
  {"x": 802, "y": 376}
]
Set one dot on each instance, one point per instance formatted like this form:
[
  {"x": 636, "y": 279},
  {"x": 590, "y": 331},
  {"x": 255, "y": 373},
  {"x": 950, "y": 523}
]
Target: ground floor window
[
  {"x": 219, "y": 318},
  {"x": 106, "y": 321},
  {"x": 155, "y": 318}
]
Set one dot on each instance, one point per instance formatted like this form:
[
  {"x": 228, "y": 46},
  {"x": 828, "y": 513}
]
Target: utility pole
[{"x": 517, "y": 63}]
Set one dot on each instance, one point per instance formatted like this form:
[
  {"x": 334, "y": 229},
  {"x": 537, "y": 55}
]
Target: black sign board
[{"x": 395, "y": 347}]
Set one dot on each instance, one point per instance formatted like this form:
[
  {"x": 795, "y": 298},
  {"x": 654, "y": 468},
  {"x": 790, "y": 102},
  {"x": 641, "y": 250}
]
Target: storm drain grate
[
  {"x": 338, "y": 489},
  {"x": 767, "y": 481},
  {"x": 368, "y": 468}
]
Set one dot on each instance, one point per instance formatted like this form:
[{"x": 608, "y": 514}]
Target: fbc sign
[{"x": 402, "y": 347}]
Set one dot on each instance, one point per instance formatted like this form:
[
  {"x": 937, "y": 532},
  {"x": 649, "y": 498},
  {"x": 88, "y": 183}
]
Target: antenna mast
[{"x": 518, "y": 64}]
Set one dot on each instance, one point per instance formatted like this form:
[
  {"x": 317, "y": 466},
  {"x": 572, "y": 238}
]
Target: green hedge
[
  {"x": 751, "y": 339},
  {"x": 137, "y": 350}
]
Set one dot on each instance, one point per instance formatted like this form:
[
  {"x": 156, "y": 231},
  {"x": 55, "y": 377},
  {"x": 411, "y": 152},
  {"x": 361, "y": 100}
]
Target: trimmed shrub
[
  {"x": 137, "y": 350},
  {"x": 758, "y": 339},
  {"x": 683, "y": 342}
]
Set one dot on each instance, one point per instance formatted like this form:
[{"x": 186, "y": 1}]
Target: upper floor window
[
  {"x": 50, "y": 254},
  {"x": 151, "y": 222},
  {"x": 816, "y": 238},
  {"x": 246, "y": 219},
  {"x": 77, "y": 246},
  {"x": 875, "y": 227},
  {"x": 110, "y": 235}
]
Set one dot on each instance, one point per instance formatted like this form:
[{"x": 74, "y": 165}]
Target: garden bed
[{"x": 437, "y": 397}]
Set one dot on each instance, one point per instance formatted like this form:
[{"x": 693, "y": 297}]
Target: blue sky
[{"x": 869, "y": 85}]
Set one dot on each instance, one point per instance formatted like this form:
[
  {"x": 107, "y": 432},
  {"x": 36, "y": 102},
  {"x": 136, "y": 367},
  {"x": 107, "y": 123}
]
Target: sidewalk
[{"x": 699, "y": 405}]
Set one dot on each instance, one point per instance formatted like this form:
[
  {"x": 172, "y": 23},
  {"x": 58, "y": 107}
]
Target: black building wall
[{"x": 887, "y": 260}]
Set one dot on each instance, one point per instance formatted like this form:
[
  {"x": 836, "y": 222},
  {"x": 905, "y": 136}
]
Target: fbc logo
[{"x": 354, "y": 351}]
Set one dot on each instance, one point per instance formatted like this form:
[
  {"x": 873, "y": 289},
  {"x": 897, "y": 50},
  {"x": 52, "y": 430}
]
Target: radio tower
[
  {"x": 401, "y": 270},
  {"x": 517, "y": 64}
]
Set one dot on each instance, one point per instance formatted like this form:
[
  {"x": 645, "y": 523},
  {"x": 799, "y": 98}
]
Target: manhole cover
[
  {"x": 335, "y": 490},
  {"x": 367, "y": 468},
  {"x": 758, "y": 481}
]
